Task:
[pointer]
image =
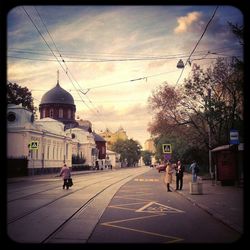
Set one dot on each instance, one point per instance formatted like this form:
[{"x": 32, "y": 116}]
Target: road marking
[
  {"x": 48, "y": 179},
  {"x": 155, "y": 207},
  {"x": 146, "y": 180},
  {"x": 170, "y": 239},
  {"x": 125, "y": 206}
]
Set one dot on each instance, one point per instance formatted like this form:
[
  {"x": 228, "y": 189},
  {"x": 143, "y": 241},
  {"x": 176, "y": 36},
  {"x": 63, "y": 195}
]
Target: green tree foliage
[
  {"x": 146, "y": 157},
  {"x": 20, "y": 95},
  {"x": 129, "y": 150}
]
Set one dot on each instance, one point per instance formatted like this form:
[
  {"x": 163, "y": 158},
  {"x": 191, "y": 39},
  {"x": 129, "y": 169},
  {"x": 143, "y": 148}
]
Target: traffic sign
[
  {"x": 234, "y": 136},
  {"x": 33, "y": 145},
  {"x": 166, "y": 148},
  {"x": 168, "y": 156}
]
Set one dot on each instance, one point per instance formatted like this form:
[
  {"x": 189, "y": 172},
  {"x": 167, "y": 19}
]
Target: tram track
[
  {"x": 48, "y": 203},
  {"x": 45, "y": 221},
  {"x": 54, "y": 233}
]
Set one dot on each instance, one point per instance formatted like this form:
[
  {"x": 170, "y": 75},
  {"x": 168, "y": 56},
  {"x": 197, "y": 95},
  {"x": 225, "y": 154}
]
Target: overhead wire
[
  {"x": 188, "y": 60},
  {"x": 100, "y": 60},
  {"x": 67, "y": 68}
]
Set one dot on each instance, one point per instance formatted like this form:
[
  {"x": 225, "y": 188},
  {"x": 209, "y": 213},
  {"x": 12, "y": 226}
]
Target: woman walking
[
  {"x": 65, "y": 173},
  {"x": 168, "y": 176}
]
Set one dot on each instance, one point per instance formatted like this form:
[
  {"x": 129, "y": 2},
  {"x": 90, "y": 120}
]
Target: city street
[{"x": 112, "y": 206}]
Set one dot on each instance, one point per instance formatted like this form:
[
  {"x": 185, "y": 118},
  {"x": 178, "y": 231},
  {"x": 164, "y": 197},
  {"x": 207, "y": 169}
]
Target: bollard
[{"x": 196, "y": 187}]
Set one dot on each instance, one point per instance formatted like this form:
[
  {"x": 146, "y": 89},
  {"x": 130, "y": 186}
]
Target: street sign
[
  {"x": 166, "y": 148},
  {"x": 33, "y": 145},
  {"x": 168, "y": 156},
  {"x": 234, "y": 136}
]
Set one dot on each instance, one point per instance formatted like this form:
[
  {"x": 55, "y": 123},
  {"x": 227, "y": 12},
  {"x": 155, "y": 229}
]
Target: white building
[
  {"x": 113, "y": 159},
  {"x": 44, "y": 143},
  {"x": 82, "y": 144},
  {"x": 42, "y": 146}
]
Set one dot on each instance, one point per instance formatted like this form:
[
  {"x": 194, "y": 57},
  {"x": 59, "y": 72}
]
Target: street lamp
[{"x": 180, "y": 64}]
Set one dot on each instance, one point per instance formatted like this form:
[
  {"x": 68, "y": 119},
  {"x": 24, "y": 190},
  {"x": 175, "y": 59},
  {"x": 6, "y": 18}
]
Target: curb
[{"x": 214, "y": 214}]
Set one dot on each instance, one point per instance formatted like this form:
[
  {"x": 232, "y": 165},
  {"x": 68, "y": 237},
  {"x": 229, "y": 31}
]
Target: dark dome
[{"x": 57, "y": 95}]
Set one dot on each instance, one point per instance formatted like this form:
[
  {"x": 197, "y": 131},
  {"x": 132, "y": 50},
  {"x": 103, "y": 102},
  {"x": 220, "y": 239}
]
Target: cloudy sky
[{"x": 111, "y": 58}]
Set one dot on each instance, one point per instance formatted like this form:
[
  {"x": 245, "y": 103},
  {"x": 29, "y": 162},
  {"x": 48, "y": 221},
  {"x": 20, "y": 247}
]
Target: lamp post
[{"x": 209, "y": 135}]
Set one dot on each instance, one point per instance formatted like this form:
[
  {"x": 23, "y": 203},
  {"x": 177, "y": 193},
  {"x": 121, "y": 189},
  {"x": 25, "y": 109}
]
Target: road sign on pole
[
  {"x": 166, "y": 148},
  {"x": 168, "y": 156},
  {"x": 234, "y": 136},
  {"x": 33, "y": 145}
]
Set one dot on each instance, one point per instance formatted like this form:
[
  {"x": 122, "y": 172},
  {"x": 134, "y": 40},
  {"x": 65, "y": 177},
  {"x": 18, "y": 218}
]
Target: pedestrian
[
  {"x": 194, "y": 168},
  {"x": 179, "y": 175},
  {"x": 168, "y": 175},
  {"x": 65, "y": 173}
]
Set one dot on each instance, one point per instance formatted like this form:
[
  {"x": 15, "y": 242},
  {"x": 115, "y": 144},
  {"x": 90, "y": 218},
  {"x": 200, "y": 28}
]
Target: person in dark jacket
[{"x": 179, "y": 175}]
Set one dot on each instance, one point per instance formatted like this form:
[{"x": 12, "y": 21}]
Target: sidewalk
[{"x": 225, "y": 203}]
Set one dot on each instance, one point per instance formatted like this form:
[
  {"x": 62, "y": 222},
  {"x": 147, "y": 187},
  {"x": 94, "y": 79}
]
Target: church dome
[{"x": 57, "y": 95}]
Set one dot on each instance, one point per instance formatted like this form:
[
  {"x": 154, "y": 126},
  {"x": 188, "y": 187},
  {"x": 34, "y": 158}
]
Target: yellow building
[
  {"x": 149, "y": 145},
  {"x": 111, "y": 137}
]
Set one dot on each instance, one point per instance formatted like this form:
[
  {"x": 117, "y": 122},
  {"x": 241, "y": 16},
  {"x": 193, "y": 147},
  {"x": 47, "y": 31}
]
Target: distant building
[
  {"x": 113, "y": 159},
  {"x": 149, "y": 145},
  {"x": 111, "y": 137}
]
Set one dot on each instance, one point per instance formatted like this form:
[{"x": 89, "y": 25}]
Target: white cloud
[
  {"x": 185, "y": 21},
  {"x": 107, "y": 32}
]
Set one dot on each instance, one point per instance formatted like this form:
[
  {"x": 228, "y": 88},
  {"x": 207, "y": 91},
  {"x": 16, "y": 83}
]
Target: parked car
[{"x": 161, "y": 168}]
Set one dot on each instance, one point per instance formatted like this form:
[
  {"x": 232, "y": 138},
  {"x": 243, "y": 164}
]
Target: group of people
[{"x": 179, "y": 169}]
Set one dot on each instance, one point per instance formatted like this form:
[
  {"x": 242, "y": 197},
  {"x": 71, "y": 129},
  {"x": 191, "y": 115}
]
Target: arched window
[
  {"x": 69, "y": 114},
  {"x": 60, "y": 113},
  {"x": 43, "y": 113},
  {"x": 51, "y": 113}
]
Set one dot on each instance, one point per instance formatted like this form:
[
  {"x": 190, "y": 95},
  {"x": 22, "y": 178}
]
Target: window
[
  {"x": 48, "y": 152},
  {"x": 69, "y": 113},
  {"x": 67, "y": 151},
  {"x": 43, "y": 113},
  {"x": 60, "y": 113},
  {"x": 51, "y": 113},
  {"x": 11, "y": 117}
]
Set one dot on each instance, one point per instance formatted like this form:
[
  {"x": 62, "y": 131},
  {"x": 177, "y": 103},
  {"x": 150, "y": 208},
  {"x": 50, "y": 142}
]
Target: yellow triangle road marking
[{"x": 154, "y": 207}]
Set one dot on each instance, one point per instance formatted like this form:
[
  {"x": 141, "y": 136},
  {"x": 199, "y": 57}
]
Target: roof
[
  {"x": 57, "y": 95},
  {"x": 98, "y": 137},
  {"x": 223, "y": 147},
  {"x": 227, "y": 147}
]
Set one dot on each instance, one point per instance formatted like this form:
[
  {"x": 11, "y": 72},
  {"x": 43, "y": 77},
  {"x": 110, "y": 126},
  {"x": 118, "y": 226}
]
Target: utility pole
[{"x": 209, "y": 135}]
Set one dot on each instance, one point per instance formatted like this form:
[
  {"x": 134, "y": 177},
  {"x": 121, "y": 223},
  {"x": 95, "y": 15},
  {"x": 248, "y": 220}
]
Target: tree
[
  {"x": 146, "y": 157},
  {"x": 211, "y": 98},
  {"x": 20, "y": 95},
  {"x": 129, "y": 150}
]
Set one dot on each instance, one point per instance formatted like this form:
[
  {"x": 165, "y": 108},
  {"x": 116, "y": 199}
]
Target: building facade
[
  {"x": 111, "y": 137},
  {"x": 35, "y": 146},
  {"x": 43, "y": 145}
]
